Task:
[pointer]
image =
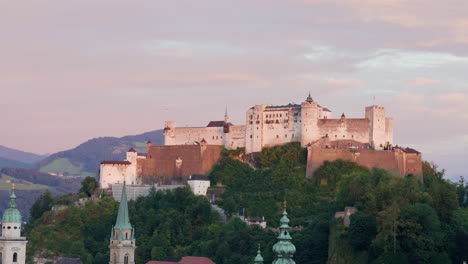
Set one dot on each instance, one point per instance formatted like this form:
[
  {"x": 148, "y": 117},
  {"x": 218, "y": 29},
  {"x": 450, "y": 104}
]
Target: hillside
[
  {"x": 18, "y": 155},
  {"x": 84, "y": 160},
  {"x": 4, "y": 162},
  {"x": 29, "y": 184}
]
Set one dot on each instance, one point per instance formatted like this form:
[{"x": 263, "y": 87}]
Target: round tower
[
  {"x": 309, "y": 118},
  {"x": 12, "y": 245}
]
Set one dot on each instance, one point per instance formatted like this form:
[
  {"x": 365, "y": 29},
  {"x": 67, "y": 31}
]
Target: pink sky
[{"x": 74, "y": 70}]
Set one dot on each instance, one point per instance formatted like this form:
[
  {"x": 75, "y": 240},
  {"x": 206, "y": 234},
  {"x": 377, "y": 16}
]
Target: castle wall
[
  {"x": 235, "y": 138},
  {"x": 184, "y": 135},
  {"x": 178, "y": 161},
  {"x": 345, "y": 129},
  {"x": 395, "y": 161},
  {"x": 112, "y": 173}
]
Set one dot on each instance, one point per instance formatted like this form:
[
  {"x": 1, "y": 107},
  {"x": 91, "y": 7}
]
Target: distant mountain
[
  {"x": 84, "y": 160},
  {"x": 18, "y": 155},
  {"x": 13, "y": 164}
]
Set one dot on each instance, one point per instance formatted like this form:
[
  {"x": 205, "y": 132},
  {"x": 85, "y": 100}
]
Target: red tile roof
[
  {"x": 195, "y": 260},
  {"x": 160, "y": 262}
]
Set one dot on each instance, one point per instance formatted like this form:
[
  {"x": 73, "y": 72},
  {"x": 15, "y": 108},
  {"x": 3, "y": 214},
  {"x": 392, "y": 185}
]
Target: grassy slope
[
  {"x": 7, "y": 181},
  {"x": 62, "y": 165}
]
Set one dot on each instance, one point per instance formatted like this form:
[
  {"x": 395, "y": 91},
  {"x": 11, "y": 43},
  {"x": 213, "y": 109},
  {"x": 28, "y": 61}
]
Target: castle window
[
  {"x": 9, "y": 227},
  {"x": 221, "y": 137},
  {"x": 15, "y": 257},
  {"x": 126, "y": 259},
  {"x": 15, "y": 227},
  {"x": 336, "y": 136},
  {"x": 277, "y": 136},
  {"x": 250, "y": 136},
  {"x": 213, "y": 137}
]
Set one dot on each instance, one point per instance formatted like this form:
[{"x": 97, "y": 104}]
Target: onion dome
[
  {"x": 12, "y": 214},
  {"x": 284, "y": 249}
]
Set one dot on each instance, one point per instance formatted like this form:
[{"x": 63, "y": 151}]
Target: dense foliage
[{"x": 399, "y": 219}]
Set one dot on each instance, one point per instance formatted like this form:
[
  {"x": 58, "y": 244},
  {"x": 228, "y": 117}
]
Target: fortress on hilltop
[
  {"x": 367, "y": 141},
  {"x": 271, "y": 125}
]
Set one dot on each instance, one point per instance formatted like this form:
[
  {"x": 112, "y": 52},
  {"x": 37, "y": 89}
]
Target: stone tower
[
  {"x": 258, "y": 259},
  {"x": 309, "y": 117},
  {"x": 169, "y": 133},
  {"x": 377, "y": 126},
  {"x": 12, "y": 245},
  {"x": 122, "y": 241},
  {"x": 284, "y": 249}
]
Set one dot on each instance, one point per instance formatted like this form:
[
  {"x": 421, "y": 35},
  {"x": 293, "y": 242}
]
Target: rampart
[
  {"x": 399, "y": 161},
  {"x": 180, "y": 161}
]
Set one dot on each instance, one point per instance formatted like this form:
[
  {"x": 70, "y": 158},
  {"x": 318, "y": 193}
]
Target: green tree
[
  {"x": 362, "y": 230},
  {"x": 88, "y": 186}
]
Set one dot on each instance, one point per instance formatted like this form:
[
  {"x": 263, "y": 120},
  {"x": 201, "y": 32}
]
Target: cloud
[
  {"x": 420, "y": 81},
  {"x": 394, "y": 59}
]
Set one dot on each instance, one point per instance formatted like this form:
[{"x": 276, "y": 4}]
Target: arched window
[
  {"x": 126, "y": 236},
  {"x": 15, "y": 257},
  {"x": 115, "y": 259},
  {"x": 126, "y": 259}
]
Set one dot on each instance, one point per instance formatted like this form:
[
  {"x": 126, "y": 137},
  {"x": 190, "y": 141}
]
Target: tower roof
[
  {"x": 123, "y": 220},
  {"x": 309, "y": 98},
  {"x": 131, "y": 150},
  {"x": 12, "y": 214},
  {"x": 284, "y": 249},
  {"x": 258, "y": 259}
]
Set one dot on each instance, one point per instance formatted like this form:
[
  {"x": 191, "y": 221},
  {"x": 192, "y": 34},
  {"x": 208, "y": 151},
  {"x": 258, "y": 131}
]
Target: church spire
[
  {"x": 123, "y": 220},
  {"x": 309, "y": 99},
  {"x": 258, "y": 259},
  {"x": 284, "y": 249}
]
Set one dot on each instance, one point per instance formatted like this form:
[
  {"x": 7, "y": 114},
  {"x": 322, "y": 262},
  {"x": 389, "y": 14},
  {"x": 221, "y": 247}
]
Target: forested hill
[
  {"x": 84, "y": 160},
  {"x": 399, "y": 220}
]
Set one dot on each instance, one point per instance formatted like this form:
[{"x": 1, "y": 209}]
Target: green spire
[
  {"x": 112, "y": 233},
  {"x": 258, "y": 259},
  {"x": 122, "y": 217},
  {"x": 12, "y": 214},
  {"x": 284, "y": 249}
]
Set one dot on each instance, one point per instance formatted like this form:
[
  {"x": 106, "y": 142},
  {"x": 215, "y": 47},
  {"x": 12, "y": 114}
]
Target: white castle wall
[{"x": 268, "y": 125}]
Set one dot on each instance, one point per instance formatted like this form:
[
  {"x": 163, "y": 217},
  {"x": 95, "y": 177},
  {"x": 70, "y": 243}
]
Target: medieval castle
[
  {"x": 271, "y": 125},
  {"x": 367, "y": 141}
]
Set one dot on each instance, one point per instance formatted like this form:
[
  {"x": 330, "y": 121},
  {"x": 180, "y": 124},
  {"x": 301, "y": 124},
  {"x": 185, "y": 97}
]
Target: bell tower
[
  {"x": 12, "y": 245},
  {"x": 122, "y": 240}
]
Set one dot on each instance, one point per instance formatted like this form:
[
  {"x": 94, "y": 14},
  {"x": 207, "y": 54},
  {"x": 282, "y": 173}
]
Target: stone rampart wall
[{"x": 395, "y": 161}]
